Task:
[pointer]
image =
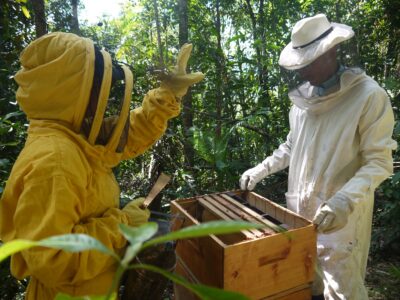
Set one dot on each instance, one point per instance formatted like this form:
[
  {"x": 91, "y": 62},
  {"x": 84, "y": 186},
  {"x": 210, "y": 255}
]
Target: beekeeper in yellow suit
[
  {"x": 338, "y": 150},
  {"x": 62, "y": 181}
]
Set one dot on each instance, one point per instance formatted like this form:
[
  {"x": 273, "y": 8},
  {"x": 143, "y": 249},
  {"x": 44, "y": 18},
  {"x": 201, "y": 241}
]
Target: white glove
[
  {"x": 251, "y": 177},
  {"x": 332, "y": 215}
]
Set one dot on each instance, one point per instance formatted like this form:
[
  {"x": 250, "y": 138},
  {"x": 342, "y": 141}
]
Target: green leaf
[
  {"x": 26, "y": 12},
  {"x": 139, "y": 234},
  {"x": 62, "y": 296},
  {"x": 202, "y": 291},
  {"x": 15, "y": 246},
  {"x": 204, "y": 229},
  {"x": 257, "y": 43},
  {"x": 76, "y": 243},
  {"x": 220, "y": 165},
  {"x": 210, "y": 293},
  {"x": 397, "y": 128},
  {"x": 131, "y": 251},
  {"x": 13, "y": 144},
  {"x": 4, "y": 162},
  {"x": 136, "y": 236},
  {"x": 395, "y": 271},
  {"x": 396, "y": 177},
  {"x": 13, "y": 114}
]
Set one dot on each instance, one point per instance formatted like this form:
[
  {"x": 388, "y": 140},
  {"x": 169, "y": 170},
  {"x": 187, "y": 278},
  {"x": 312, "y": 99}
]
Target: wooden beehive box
[{"x": 261, "y": 264}]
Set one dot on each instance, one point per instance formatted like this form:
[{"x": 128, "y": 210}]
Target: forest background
[{"x": 236, "y": 116}]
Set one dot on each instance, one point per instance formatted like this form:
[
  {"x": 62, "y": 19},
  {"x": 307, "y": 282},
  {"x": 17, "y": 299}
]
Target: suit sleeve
[
  {"x": 149, "y": 122},
  {"x": 280, "y": 158},
  {"x": 376, "y": 145}
]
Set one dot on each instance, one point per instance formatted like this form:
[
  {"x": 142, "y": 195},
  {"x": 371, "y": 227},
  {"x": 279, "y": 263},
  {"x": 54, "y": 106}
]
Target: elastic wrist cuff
[{"x": 341, "y": 197}]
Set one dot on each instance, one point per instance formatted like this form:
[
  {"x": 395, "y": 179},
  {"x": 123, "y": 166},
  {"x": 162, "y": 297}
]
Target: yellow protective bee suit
[{"x": 62, "y": 182}]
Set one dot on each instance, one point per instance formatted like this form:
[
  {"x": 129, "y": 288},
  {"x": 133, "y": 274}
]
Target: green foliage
[
  {"x": 140, "y": 239},
  {"x": 386, "y": 231},
  {"x": 24, "y": 9},
  {"x": 214, "y": 150},
  {"x": 395, "y": 271},
  {"x": 16, "y": 32},
  {"x": 9, "y": 287},
  {"x": 59, "y": 15}
]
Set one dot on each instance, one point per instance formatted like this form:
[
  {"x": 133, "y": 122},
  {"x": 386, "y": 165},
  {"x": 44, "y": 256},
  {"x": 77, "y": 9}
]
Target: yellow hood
[{"x": 64, "y": 62}]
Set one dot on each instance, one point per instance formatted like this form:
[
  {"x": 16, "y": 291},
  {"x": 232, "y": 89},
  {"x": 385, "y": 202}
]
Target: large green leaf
[
  {"x": 15, "y": 246},
  {"x": 76, "y": 243},
  {"x": 202, "y": 291},
  {"x": 204, "y": 229}
]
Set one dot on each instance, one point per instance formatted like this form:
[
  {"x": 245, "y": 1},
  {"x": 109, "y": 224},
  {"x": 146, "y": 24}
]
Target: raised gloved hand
[
  {"x": 333, "y": 215},
  {"x": 178, "y": 81},
  {"x": 252, "y": 176},
  {"x": 136, "y": 212}
]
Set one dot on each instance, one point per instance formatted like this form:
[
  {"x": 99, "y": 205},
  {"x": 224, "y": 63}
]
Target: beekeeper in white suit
[{"x": 338, "y": 150}]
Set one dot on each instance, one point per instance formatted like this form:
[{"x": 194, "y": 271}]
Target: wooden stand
[{"x": 261, "y": 264}]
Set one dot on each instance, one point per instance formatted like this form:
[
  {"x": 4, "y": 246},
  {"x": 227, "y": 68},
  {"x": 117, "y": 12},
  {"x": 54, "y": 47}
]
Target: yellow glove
[
  {"x": 178, "y": 81},
  {"x": 137, "y": 213}
]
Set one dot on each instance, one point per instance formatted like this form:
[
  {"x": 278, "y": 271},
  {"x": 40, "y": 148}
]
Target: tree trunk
[
  {"x": 159, "y": 43},
  {"x": 187, "y": 113},
  {"x": 258, "y": 27},
  {"x": 75, "y": 21},
  {"x": 156, "y": 165},
  {"x": 219, "y": 61},
  {"x": 155, "y": 169},
  {"x": 40, "y": 17},
  {"x": 263, "y": 72}
]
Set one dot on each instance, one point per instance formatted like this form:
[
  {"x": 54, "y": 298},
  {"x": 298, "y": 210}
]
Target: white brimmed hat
[{"x": 312, "y": 37}]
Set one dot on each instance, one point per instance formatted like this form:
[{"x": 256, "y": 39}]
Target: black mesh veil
[
  {"x": 114, "y": 103},
  {"x": 346, "y": 57}
]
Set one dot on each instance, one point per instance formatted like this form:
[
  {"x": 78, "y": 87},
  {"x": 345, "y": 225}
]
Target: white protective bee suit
[{"x": 339, "y": 145}]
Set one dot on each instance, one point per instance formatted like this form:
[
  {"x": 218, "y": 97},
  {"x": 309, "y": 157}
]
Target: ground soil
[{"x": 381, "y": 281}]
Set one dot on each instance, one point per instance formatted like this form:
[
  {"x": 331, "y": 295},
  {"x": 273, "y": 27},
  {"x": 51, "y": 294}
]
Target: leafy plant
[
  {"x": 139, "y": 239},
  {"x": 395, "y": 271},
  {"x": 211, "y": 148}
]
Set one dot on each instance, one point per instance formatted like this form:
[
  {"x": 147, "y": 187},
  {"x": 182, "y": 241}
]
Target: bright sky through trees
[{"x": 95, "y": 9}]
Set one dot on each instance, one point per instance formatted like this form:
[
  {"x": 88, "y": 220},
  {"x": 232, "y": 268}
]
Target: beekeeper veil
[
  {"x": 311, "y": 38},
  {"x": 106, "y": 120}
]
